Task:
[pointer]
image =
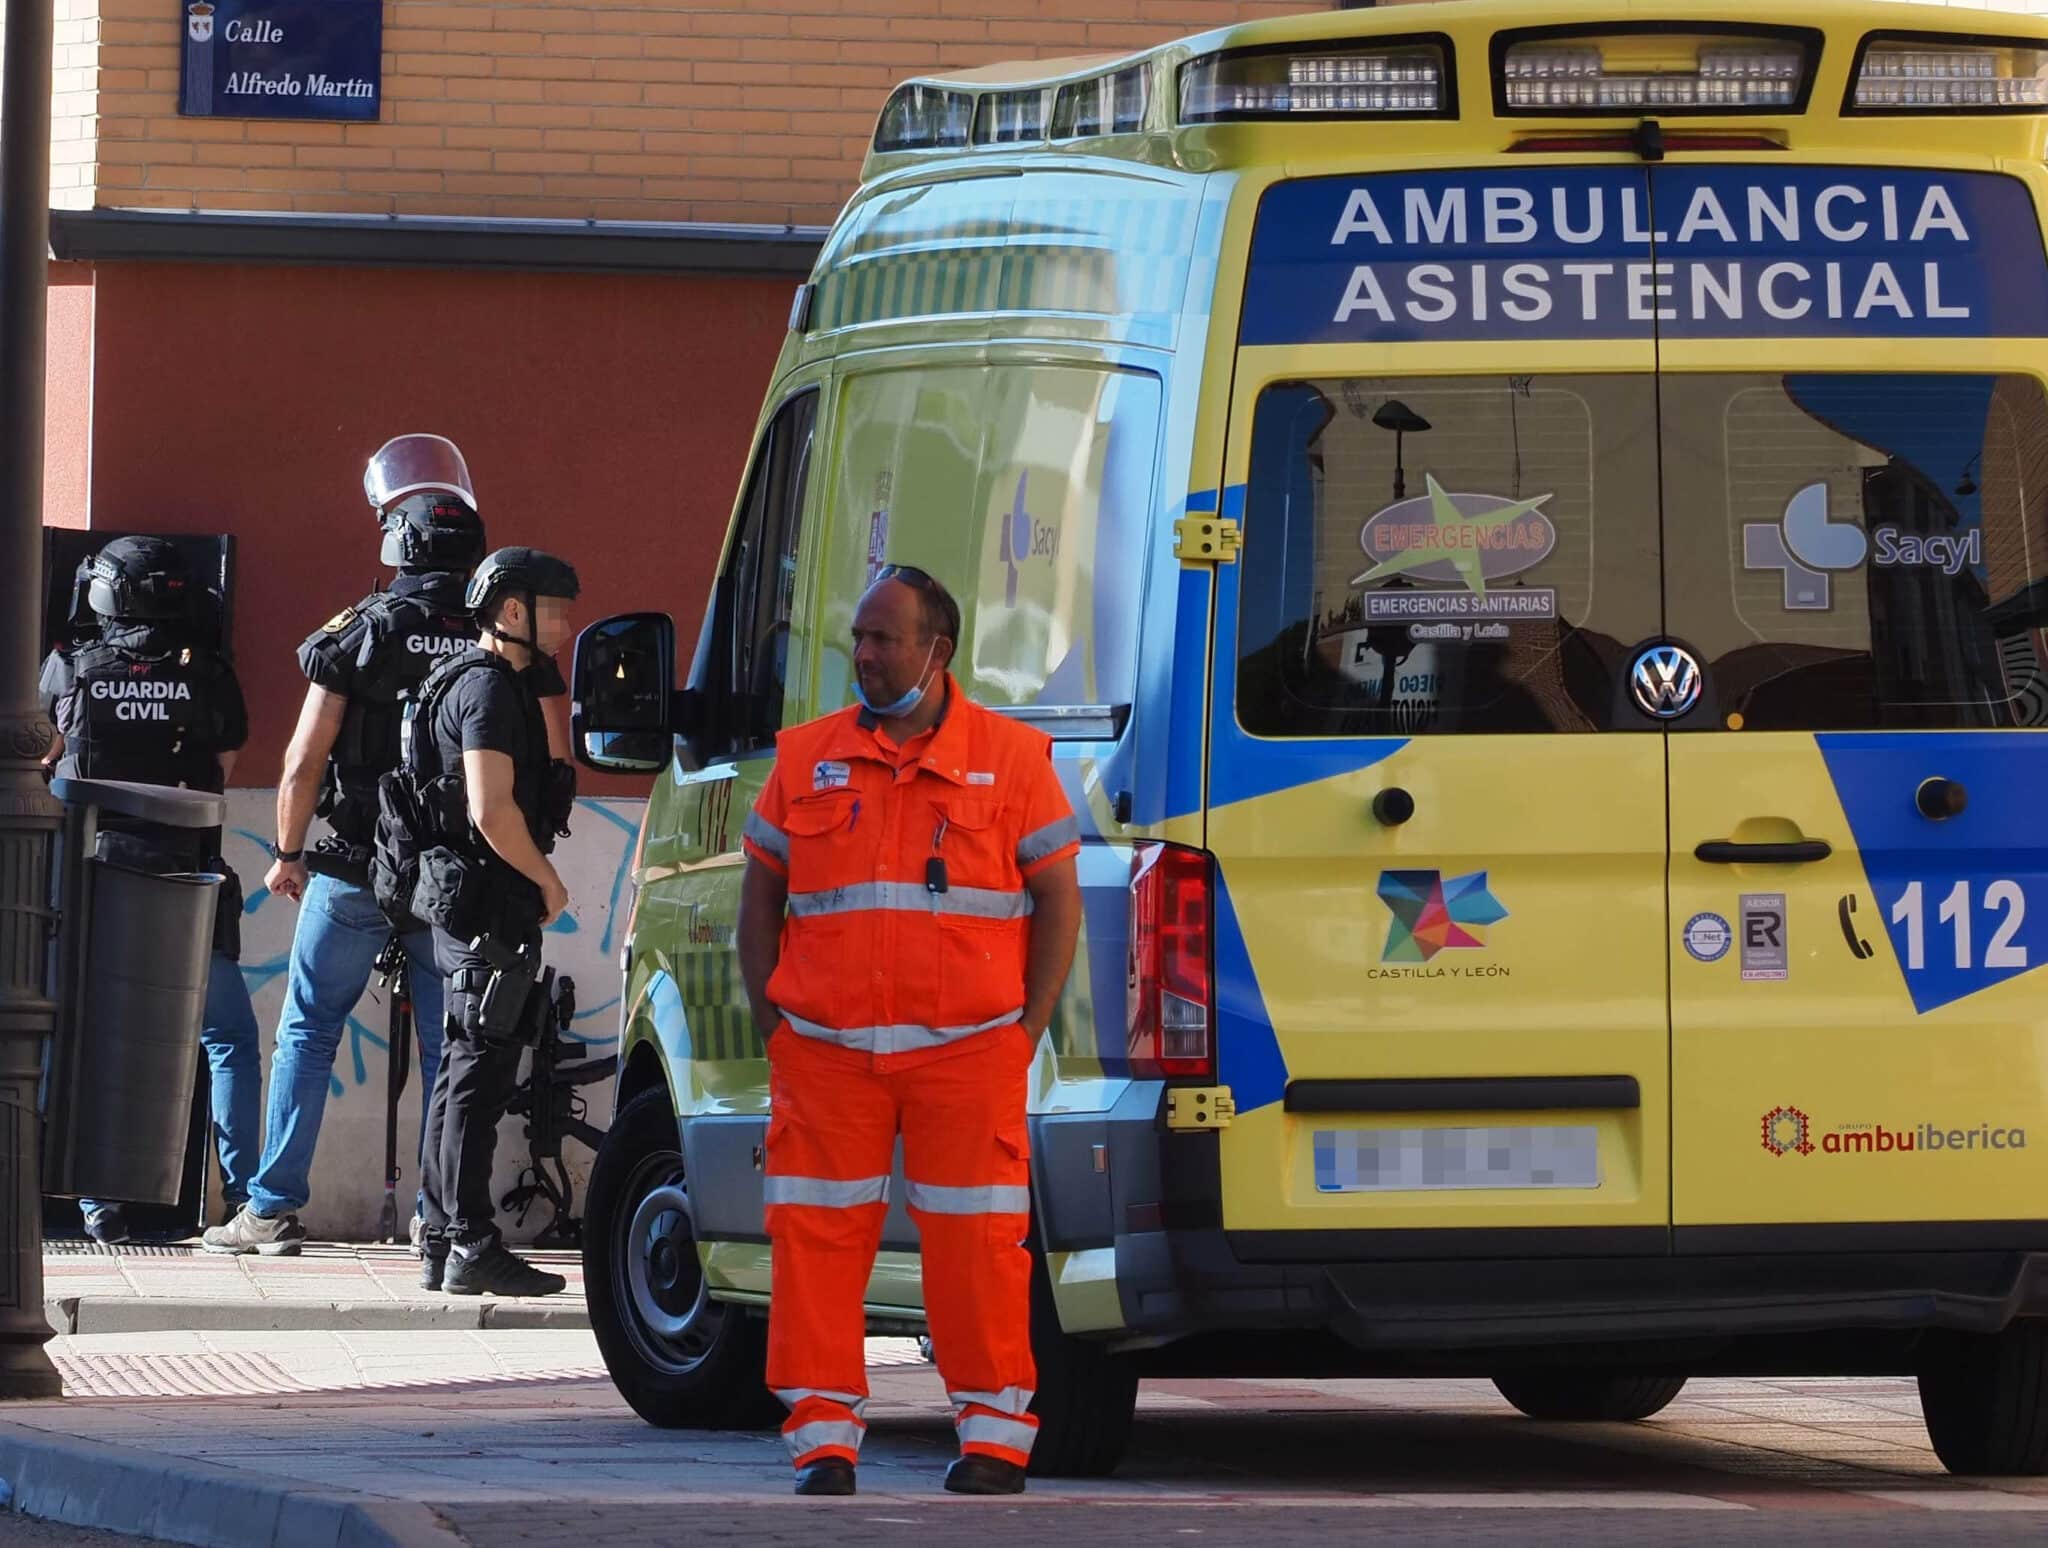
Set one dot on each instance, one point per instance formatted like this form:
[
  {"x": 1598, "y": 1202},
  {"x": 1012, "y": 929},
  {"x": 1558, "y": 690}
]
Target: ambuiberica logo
[{"x": 1788, "y": 1131}]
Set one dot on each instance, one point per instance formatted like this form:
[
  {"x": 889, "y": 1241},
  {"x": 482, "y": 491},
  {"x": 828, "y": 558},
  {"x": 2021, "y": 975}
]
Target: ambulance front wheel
[
  {"x": 681, "y": 1359},
  {"x": 1086, "y": 1396},
  {"x": 1587, "y": 1395},
  {"x": 1985, "y": 1400}
]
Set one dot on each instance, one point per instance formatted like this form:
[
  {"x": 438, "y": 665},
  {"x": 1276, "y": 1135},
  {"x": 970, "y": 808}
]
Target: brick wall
[{"x": 731, "y": 110}]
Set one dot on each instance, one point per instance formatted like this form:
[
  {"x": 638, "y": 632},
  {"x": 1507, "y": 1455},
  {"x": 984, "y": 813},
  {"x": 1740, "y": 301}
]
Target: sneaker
[
  {"x": 494, "y": 1270},
  {"x": 433, "y": 1264},
  {"x": 415, "y": 1234},
  {"x": 274, "y": 1237},
  {"x": 108, "y": 1227}
]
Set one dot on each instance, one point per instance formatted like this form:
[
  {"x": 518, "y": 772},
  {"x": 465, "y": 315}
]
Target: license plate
[{"x": 1427, "y": 1160}]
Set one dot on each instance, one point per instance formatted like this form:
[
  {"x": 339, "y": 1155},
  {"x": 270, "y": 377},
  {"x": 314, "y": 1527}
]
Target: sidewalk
[{"x": 89, "y": 1289}]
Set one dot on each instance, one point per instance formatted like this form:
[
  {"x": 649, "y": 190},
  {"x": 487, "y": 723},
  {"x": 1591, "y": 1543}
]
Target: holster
[{"x": 498, "y": 1002}]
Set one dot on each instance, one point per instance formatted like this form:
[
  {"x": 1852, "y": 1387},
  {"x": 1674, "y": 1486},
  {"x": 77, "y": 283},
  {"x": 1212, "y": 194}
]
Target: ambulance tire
[
  {"x": 1086, "y": 1396},
  {"x": 1586, "y": 1396},
  {"x": 1985, "y": 1400},
  {"x": 709, "y": 1373}
]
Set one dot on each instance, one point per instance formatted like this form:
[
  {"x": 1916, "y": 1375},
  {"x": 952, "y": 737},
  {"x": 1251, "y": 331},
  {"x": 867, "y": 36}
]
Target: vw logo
[{"x": 1665, "y": 681}]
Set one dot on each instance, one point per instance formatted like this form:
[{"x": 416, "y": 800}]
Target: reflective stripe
[
  {"x": 826, "y": 1191},
  {"x": 997, "y": 1199},
  {"x": 897, "y": 1039},
  {"x": 1011, "y": 1400},
  {"x": 910, "y": 898},
  {"x": 991, "y": 1431},
  {"x": 791, "y": 1396},
  {"x": 1048, "y": 840},
  {"x": 806, "y": 1438},
  {"x": 766, "y": 836}
]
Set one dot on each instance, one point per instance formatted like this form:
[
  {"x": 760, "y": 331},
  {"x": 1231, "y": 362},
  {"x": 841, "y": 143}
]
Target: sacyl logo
[
  {"x": 1665, "y": 681},
  {"x": 1803, "y": 545}
]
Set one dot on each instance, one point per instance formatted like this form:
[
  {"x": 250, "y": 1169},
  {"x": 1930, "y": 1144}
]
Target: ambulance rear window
[{"x": 1420, "y": 554}]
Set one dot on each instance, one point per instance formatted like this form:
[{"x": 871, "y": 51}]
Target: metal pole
[{"x": 29, "y": 816}]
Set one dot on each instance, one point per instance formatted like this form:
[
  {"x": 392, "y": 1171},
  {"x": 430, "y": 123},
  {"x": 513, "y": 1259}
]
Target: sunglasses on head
[{"x": 909, "y": 574}]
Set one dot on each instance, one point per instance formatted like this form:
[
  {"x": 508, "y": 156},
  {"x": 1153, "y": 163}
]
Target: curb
[
  {"x": 87, "y": 1314},
  {"x": 88, "y": 1484}
]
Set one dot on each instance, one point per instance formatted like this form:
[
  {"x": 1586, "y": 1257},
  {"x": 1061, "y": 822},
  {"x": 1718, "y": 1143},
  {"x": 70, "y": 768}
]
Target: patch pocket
[
  {"x": 1012, "y": 1158},
  {"x": 972, "y": 844},
  {"x": 823, "y": 830}
]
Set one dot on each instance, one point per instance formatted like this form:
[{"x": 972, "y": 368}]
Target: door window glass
[
  {"x": 762, "y": 573},
  {"x": 1474, "y": 554},
  {"x": 1861, "y": 551}
]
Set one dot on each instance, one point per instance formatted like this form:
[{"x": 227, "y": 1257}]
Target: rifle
[
  {"x": 397, "y": 982},
  {"x": 551, "y": 1101}
]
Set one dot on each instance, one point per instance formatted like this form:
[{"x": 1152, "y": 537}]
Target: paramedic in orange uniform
[{"x": 909, "y": 915}]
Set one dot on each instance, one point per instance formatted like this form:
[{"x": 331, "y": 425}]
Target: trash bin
[{"x": 134, "y": 948}]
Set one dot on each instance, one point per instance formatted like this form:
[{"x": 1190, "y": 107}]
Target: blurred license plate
[{"x": 1422, "y": 1160}]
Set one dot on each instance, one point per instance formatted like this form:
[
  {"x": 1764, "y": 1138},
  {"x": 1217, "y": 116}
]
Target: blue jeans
[
  {"x": 340, "y": 932},
  {"x": 228, "y": 1033}
]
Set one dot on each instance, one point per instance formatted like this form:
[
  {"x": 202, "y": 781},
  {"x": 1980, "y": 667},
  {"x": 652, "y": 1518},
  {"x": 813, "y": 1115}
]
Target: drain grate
[{"x": 83, "y": 1249}]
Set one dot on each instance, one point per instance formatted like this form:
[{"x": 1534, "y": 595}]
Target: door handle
[{"x": 1728, "y": 852}]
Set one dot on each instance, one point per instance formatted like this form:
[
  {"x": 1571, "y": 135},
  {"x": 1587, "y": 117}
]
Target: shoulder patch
[{"x": 340, "y": 621}]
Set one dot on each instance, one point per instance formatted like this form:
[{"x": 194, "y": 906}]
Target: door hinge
[
  {"x": 1199, "y": 1107},
  {"x": 1207, "y": 540}
]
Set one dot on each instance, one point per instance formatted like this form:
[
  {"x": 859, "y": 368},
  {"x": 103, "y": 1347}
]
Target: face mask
[{"x": 908, "y": 703}]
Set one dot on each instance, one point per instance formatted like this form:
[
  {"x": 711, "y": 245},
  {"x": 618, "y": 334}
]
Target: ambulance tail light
[
  {"x": 1401, "y": 80},
  {"x": 1924, "y": 74},
  {"x": 1571, "y": 71},
  {"x": 1172, "y": 1010}
]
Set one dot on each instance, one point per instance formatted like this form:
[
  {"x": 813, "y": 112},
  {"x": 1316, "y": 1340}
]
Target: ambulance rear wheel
[
  {"x": 1588, "y": 1395},
  {"x": 1985, "y": 1400},
  {"x": 1086, "y": 1397},
  {"x": 681, "y": 1359}
]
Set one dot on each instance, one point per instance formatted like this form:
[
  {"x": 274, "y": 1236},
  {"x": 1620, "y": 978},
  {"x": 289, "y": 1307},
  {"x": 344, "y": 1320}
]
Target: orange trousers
[{"x": 831, "y": 1139}]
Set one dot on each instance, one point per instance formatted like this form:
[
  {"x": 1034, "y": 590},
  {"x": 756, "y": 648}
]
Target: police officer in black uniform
[
  {"x": 151, "y": 699},
  {"x": 481, "y": 739},
  {"x": 357, "y": 666}
]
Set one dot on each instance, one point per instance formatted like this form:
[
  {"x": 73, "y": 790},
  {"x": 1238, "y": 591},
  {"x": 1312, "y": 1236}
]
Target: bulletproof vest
[
  {"x": 396, "y": 640},
  {"x": 437, "y": 757},
  {"x": 141, "y": 716}
]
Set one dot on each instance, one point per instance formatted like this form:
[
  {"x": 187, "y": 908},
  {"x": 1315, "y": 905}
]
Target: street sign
[{"x": 282, "y": 59}]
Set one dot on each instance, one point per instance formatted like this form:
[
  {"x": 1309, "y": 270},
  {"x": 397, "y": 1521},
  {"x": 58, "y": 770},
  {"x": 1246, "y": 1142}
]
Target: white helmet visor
[{"x": 416, "y": 464}]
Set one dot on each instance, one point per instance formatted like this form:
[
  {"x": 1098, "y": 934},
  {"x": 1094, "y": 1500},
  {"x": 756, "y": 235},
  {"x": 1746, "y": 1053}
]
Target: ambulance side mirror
[{"x": 625, "y": 703}]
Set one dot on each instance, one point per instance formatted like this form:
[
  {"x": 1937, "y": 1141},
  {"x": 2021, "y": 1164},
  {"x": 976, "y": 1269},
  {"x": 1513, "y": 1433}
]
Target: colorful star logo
[{"x": 1431, "y": 914}]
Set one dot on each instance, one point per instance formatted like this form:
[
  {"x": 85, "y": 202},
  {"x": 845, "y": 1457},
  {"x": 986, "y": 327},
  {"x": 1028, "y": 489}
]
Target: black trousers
[{"x": 476, "y": 1080}]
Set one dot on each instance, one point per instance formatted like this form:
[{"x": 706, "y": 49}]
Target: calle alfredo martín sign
[
  {"x": 282, "y": 59},
  {"x": 1670, "y": 252}
]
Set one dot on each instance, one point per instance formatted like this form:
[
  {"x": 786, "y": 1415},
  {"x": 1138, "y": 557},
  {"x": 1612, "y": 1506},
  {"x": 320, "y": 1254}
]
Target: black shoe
[
  {"x": 433, "y": 1264},
  {"x": 834, "y": 1475},
  {"x": 493, "y": 1270},
  {"x": 109, "y": 1227},
  {"x": 977, "y": 1474}
]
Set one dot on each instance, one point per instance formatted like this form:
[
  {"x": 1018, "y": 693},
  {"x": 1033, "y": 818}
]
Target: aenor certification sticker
[
  {"x": 1765, "y": 955},
  {"x": 1707, "y": 937}
]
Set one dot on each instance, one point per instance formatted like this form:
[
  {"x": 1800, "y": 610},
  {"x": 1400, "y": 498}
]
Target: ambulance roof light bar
[
  {"x": 919, "y": 117},
  {"x": 1921, "y": 73},
  {"x": 1588, "y": 70},
  {"x": 1406, "y": 77}
]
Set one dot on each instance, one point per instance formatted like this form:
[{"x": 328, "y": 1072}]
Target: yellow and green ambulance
[{"x": 1529, "y": 531}]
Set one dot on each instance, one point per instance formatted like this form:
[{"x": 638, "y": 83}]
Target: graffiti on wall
[{"x": 348, "y": 1183}]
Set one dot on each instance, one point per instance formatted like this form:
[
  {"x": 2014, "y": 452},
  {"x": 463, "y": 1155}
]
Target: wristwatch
[{"x": 288, "y": 856}]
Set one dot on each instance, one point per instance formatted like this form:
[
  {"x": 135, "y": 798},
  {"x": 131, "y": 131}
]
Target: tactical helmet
[
  {"x": 142, "y": 579},
  {"x": 520, "y": 572},
  {"x": 432, "y": 531}
]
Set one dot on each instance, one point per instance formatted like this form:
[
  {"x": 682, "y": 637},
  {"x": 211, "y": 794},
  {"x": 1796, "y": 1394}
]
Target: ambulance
[{"x": 1529, "y": 533}]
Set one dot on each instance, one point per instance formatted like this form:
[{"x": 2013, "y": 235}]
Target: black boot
[
  {"x": 977, "y": 1474},
  {"x": 492, "y": 1270},
  {"x": 832, "y": 1475},
  {"x": 433, "y": 1263}
]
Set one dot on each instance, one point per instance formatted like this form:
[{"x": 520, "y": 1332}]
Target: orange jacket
[{"x": 874, "y": 959}]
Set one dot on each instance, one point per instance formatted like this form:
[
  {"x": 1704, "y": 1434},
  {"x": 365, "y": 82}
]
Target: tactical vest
[
  {"x": 423, "y": 814},
  {"x": 141, "y": 716},
  {"x": 398, "y": 641}
]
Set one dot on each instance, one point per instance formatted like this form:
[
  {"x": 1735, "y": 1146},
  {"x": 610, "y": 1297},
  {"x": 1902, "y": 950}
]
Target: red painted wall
[
  {"x": 67, "y": 395},
  {"x": 603, "y": 417}
]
